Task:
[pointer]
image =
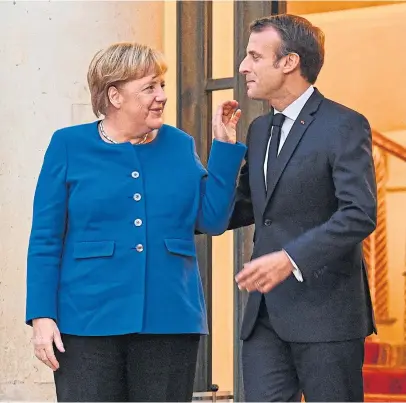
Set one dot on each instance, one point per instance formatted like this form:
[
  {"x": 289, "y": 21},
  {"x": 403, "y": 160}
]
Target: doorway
[{"x": 199, "y": 80}]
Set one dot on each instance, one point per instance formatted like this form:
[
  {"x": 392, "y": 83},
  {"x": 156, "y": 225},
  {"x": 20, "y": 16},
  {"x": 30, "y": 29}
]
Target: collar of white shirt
[{"x": 292, "y": 111}]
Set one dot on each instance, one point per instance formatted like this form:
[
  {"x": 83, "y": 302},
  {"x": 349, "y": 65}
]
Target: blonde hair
[{"x": 119, "y": 63}]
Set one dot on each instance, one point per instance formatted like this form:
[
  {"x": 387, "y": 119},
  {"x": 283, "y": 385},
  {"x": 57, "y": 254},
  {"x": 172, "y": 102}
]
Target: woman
[{"x": 113, "y": 281}]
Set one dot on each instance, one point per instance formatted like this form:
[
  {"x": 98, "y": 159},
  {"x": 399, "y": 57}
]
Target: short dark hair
[{"x": 299, "y": 36}]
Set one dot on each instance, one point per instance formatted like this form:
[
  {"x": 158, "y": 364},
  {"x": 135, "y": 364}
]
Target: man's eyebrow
[{"x": 253, "y": 53}]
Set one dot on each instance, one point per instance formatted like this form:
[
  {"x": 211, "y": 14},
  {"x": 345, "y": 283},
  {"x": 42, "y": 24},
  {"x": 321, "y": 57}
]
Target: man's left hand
[{"x": 265, "y": 272}]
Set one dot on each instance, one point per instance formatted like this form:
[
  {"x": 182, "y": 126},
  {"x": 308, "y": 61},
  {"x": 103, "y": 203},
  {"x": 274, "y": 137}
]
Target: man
[{"x": 309, "y": 186}]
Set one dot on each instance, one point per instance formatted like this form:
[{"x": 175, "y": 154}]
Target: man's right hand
[{"x": 45, "y": 335}]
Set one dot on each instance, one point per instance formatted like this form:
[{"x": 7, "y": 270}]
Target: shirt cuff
[{"x": 296, "y": 272}]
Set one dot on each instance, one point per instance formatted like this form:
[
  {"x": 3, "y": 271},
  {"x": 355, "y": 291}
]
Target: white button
[
  {"x": 139, "y": 248},
  {"x": 135, "y": 174},
  {"x": 138, "y": 222},
  {"x": 137, "y": 197}
]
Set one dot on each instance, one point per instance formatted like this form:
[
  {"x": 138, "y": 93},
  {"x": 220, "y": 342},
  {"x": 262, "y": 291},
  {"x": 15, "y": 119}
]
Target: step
[
  {"x": 384, "y": 380},
  {"x": 376, "y": 397}
]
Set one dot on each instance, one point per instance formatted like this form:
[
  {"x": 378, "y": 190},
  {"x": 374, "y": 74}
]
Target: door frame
[{"x": 195, "y": 86}]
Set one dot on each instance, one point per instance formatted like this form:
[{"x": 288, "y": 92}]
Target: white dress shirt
[{"x": 291, "y": 113}]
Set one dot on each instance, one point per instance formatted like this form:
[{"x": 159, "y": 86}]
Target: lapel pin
[{"x": 302, "y": 122}]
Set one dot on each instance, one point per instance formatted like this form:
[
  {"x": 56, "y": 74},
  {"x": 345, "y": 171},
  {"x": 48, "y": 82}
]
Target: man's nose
[{"x": 244, "y": 67}]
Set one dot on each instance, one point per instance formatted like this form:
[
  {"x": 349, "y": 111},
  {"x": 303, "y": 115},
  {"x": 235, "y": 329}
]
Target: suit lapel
[
  {"x": 296, "y": 133},
  {"x": 257, "y": 155}
]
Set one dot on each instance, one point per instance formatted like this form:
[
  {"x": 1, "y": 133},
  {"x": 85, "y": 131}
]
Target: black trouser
[
  {"x": 278, "y": 371},
  {"x": 127, "y": 368}
]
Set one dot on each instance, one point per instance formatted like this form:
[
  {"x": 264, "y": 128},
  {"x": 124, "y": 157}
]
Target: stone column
[{"x": 44, "y": 54}]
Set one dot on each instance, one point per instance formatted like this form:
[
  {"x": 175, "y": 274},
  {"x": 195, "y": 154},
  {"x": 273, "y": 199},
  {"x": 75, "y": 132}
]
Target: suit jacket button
[{"x": 267, "y": 222}]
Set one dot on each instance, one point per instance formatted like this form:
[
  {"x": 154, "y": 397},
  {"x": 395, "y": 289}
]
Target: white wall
[{"x": 45, "y": 50}]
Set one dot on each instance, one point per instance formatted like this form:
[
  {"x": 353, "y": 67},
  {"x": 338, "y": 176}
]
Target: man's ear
[{"x": 292, "y": 62}]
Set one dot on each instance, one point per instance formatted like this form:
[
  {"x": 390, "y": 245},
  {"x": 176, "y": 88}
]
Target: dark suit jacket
[{"x": 320, "y": 206}]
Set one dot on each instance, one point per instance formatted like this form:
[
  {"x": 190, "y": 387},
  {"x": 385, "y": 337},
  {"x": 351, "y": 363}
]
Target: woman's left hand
[{"x": 225, "y": 122}]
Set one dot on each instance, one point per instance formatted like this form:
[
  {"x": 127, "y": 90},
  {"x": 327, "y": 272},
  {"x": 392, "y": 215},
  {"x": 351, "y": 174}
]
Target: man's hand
[
  {"x": 225, "y": 122},
  {"x": 45, "y": 334},
  {"x": 265, "y": 272}
]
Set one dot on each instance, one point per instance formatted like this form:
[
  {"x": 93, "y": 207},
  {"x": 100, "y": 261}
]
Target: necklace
[{"x": 104, "y": 134}]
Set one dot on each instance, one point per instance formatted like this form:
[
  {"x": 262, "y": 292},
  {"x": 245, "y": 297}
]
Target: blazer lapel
[
  {"x": 259, "y": 141},
  {"x": 303, "y": 121}
]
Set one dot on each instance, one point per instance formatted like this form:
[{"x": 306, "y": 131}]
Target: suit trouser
[
  {"x": 277, "y": 370},
  {"x": 127, "y": 368}
]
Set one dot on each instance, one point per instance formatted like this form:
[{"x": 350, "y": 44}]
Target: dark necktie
[{"x": 275, "y": 132}]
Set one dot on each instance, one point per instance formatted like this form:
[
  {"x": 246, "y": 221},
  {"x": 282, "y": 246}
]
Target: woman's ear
[{"x": 114, "y": 96}]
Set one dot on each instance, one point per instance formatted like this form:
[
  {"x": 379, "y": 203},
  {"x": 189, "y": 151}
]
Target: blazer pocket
[
  {"x": 85, "y": 250},
  {"x": 181, "y": 247}
]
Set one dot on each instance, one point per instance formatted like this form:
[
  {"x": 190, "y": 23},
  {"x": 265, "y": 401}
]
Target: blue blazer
[{"x": 112, "y": 246}]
